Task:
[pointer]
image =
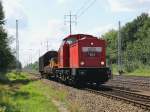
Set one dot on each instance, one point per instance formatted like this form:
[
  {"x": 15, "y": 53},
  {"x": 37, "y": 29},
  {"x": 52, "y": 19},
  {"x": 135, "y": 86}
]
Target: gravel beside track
[
  {"x": 90, "y": 102},
  {"x": 139, "y": 100}
]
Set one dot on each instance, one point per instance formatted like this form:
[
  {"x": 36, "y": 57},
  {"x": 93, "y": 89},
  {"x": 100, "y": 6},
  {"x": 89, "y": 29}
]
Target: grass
[
  {"x": 18, "y": 93},
  {"x": 114, "y": 69},
  {"x": 143, "y": 71}
]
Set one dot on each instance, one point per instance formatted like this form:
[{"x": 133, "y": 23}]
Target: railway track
[
  {"x": 136, "y": 99},
  {"x": 139, "y": 100},
  {"x": 145, "y": 84}
]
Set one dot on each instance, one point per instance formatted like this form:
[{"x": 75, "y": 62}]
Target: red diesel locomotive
[{"x": 80, "y": 59}]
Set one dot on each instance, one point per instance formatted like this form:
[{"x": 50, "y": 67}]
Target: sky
[{"x": 43, "y": 21}]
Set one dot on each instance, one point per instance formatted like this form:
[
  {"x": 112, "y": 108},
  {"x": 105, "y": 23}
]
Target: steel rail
[
  {"x": 135, "y": 99},
  {"x": 131, "y": 82}
]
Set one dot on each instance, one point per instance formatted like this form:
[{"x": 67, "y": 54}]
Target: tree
[
  {"x": 135, "y": 43},
  {"x": 132, "y": 29},
  {"x": 111, "y": 38},
  {"x": 6, "y": 56},
  {"x": 32, "y": 66},
  {"x": 1, "y": 14}
]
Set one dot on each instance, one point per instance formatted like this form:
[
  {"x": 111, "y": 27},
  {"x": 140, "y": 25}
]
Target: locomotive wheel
[
  {"x": 42, "y": 76},
  {"x": 79, "y": 83},
  {"x": 70, "y": 80},
  {"x": 64, "y": 78},
  {"x": 59, "y": 80},
  {"x": 45, "y": 76},
  {"x": 98, "y": 84},
  {"x": 57, "y": 77}
]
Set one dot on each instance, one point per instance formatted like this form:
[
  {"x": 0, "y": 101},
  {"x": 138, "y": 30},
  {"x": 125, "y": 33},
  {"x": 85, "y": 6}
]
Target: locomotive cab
[{"x": 87, "y": 52}]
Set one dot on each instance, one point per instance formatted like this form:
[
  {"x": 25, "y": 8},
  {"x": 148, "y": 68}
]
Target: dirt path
[{"x": 61, "y": 106}]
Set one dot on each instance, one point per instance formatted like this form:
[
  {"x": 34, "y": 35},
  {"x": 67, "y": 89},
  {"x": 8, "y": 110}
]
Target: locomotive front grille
[{"x": 93, "y": 74}]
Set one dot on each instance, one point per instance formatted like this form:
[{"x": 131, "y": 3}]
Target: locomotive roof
[{"x": 78, "y": 36}]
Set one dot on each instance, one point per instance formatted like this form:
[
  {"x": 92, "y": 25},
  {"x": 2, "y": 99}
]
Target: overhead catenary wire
[
  {"x": 80, "y": 12},
  {"x": 82, "y": 7},
  {"x": 87, "y": 4}
]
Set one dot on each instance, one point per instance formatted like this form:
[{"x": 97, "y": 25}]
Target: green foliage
[
  {"x": 135, "y": 43},
  {"x": 22, "y": 94},
  {"x": 142, "y": 71},
  {"x": 135, "y": 30},
  {"x": 32, "y": 66},
  {"x": 6, "y": 57},
  {"x": 111, "y": 38},
  {"x": 1, "y": 14}
]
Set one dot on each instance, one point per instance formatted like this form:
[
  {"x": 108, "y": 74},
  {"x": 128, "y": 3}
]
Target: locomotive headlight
[
  {"x": 82, "y": 62},
  {"x": 102, "y": 63}
]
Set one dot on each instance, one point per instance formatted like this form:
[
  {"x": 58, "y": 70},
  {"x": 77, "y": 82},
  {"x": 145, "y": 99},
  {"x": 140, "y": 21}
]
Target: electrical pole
[
  {"x": 39, "y": 53},
  {"x": 70, "y": 23},
  {"x": 71, "y": 20},
  {"x": 119, "y": 50},
  {"x": 17, "y": 47}
]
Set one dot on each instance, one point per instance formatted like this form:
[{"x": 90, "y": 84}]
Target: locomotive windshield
[{"x": 71, "y": 40}]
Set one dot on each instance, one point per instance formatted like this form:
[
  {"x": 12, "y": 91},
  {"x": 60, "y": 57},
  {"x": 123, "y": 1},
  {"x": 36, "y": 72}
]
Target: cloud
[
  {"x": 14, "y": 10},
  {"x": 32, "y": 37},
  {"x": 63, "y": 2},
  {"x": 128, "y": 5},
  {"x": 53, "y": 33},
  {"x": 144, "y": 1},
  {"x": 100, "y": 30},
  {"x": 36, "y": 39}
]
